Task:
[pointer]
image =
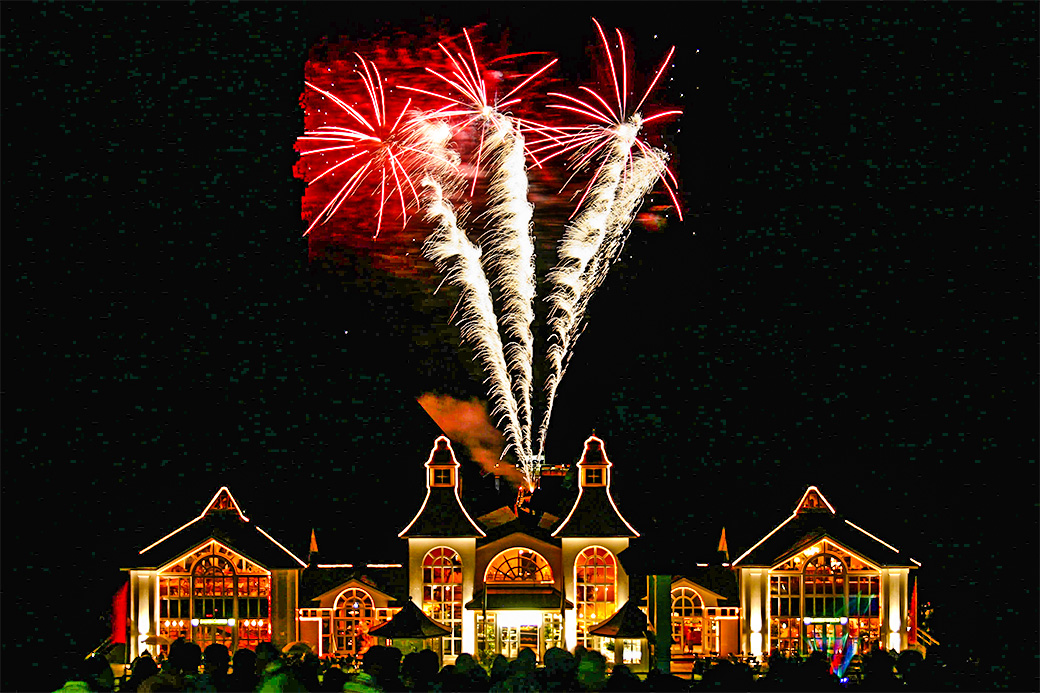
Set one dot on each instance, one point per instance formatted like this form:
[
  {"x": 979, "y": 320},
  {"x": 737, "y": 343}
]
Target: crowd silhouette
[{"x": 267, "y": 669}]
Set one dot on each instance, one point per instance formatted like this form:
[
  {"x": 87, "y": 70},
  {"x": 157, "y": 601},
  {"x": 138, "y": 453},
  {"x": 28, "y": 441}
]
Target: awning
[
  {"x": 516, "y": 599},
  {"x": 628, "y": 622}
]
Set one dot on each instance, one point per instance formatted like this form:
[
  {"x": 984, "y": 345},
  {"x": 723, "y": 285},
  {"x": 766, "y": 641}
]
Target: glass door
[{"x": 509, "y": 641}]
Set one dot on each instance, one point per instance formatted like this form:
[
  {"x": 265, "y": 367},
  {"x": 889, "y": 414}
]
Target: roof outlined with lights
[
  {"x": 442, "y": 513},
  {"x": 222, "y": 520},
  {"x": 594, "y": 513},
  {"x": 813, "y": 519}
]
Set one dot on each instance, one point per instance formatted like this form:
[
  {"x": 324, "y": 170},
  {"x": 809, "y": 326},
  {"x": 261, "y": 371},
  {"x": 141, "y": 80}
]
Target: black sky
[{"x": 850, "y": 302}]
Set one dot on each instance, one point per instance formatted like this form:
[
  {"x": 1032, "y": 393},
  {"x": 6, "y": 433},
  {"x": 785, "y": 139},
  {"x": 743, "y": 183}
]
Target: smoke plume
[{"x": 467, "y": 422}]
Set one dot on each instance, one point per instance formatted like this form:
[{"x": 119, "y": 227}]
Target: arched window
[
  {"x": 687, "y": 620},
  {"x": 595, "y": 580},
  {"x": 352, "y": 616},
  {"x": 519, "y": 565},
  {"x": 823, "y": 579},
  {"x": 442, "y": 594},
  {"x": 214, "y": 590}
]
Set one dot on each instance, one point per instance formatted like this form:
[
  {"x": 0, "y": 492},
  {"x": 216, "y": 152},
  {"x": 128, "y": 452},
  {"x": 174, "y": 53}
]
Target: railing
[{"x": 927, "y": 639}]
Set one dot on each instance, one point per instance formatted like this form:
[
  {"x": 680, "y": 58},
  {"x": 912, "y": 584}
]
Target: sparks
[{"x": 374, "y": 150}]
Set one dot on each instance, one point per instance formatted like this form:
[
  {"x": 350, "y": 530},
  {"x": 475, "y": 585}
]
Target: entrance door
[
  {"x": 206, "y": 634},
  {"x": 509, "y": 641},
  {"x": 512, "y": 639},
  {"x": 823, "y": 637}
]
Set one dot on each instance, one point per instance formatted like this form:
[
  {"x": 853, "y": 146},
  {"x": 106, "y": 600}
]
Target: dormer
[
  {"x": 442, "y": 513},
  {"x": 442, "y": 465},
  {"x": 594, "y": 467}
]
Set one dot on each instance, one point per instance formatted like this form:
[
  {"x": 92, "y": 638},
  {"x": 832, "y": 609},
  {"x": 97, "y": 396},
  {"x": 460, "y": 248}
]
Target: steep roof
[
  {"x": 627, "y": 622},
  {"x": 442, "y": 513},
  {"x": 410, "y": 622},
  {"x": 814, "y": 518},
  {"x": 594, "y": 513},
  {"x": 222, "y": 520}
]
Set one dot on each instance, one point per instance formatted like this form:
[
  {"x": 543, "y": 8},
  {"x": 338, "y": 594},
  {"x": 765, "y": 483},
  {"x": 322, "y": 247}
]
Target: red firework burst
[
  {"x": 374, "y": 150},
  {"x": 611, "y": 122}
]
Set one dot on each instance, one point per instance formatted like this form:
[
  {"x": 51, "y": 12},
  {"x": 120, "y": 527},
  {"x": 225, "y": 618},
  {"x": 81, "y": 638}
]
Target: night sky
[{"x": 849, "y": 302}]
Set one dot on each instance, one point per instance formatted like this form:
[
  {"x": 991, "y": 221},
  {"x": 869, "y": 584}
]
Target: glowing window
[
  {"x": 594, "y": 477},
  {"x": 443, "y": 477},
  {"x": 687, "y": 620},
  {"x": 353, "y": 616},
  {"x": 442, "y": 594},
  {"x": 595, "y": 582},
  {"x": 519, "y": 565}
]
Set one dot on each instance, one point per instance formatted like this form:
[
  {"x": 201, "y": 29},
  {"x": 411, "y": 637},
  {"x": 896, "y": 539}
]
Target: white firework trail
[
  {"x": 509, "y": 258},
  {"x": 591, "y": 243},
  {"x": 454, "y": 254}
]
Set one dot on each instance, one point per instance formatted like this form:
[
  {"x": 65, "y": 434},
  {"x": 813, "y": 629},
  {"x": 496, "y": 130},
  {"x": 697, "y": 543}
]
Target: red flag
[
  {"x": 912, "y": 636},
  {"x": 722, "y": 544},
  {"x": 119, "y": 613}
]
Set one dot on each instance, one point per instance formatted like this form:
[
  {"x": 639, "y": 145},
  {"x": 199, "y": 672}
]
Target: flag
[
  {"x": 912, "y": 636},
  {"x": 314, "y": 542},
  {"x": 119, "y": 613},
  {"x": 722, "y": 544}
]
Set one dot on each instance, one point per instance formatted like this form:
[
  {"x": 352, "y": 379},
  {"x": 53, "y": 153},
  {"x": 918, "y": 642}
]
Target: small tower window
[
  {"x": 443, "y": 477},
  {"x": 594, "y": 477}
]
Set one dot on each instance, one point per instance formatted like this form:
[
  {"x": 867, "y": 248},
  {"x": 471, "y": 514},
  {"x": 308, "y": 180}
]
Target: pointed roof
[
  {"x": 594, "y": 513},
  {"x": 814, "y": 518},
  {"x": 442, "y": 513},
  {"x": 627, "y": 622},
  {"x": 222, "y": 520},
  {"x": 410, "y": 622}
]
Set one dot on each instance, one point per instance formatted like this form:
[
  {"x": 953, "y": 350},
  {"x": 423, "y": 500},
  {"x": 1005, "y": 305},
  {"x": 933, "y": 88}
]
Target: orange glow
[
  {"x": 581, "y": 487},
  {"x": 426, "y": 500}
]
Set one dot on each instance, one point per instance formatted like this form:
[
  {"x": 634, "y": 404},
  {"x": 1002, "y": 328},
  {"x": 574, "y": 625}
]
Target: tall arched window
[
  {"x": 595, "y": 580},
  {"x": 519, "y": 565},
  {"x": 442, "y": 594},
  {"x": 687, "y": 620},
  {"x": 213, "y": 590},
  {"x": 352, "y": 616},
  {"x": 824, "y": 586}
]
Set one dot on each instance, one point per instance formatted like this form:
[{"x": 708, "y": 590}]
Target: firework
[
  {"x": 508, "y": 246},
  {"x": 383, "y": 157},
  {"x": 374, "y": 151},
  {"x": 594, "y": 236},
  {"x": 453, "y": 253}
]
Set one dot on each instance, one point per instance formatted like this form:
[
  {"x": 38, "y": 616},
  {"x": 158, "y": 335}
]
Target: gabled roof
[
  {"x": 222, "y": 520},
  {"x": 814, "y": 518},
  {"x": 354, "y": 582},
  {"x": 442, "y": 513},
  {"x": 594, "y": 513},
  {"x": 319, "y": 580}
]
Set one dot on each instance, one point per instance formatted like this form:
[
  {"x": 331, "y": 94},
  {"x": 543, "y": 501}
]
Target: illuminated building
[
  {"x": 507, "y": 580},
  {"x": 819, "y": 582},
  {"x": 216, "y": 579}
]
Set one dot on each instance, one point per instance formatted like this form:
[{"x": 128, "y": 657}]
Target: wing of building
[{"x": 511, "y": 579}]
